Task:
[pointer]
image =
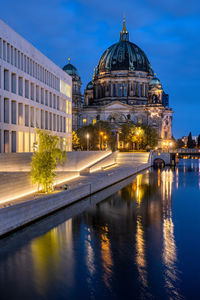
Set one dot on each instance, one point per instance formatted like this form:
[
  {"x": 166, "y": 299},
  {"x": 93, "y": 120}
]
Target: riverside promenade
[{"x": 19, "y": 212}]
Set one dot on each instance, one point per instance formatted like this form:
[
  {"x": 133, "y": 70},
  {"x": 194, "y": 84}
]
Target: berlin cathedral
[{"x": 124, "y": 89}]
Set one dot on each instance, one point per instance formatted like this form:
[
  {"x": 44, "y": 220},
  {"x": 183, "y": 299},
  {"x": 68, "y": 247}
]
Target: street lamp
[
  {"x": 87, "y": 137},
  {"x": 100, "y": 139},
  {"x": 105, "y": 138}
]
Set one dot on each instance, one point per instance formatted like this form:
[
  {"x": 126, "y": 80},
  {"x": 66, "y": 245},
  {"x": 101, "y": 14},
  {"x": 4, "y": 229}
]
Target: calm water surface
[{"x": 141, "y": 242}]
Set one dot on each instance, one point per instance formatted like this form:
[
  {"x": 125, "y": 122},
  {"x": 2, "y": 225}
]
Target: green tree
[
  {"x": 46, "y": 156},
  {"x": 198, "y": 141},
  {"x": 180, "y": 143},
  {"x": 142, "y": 136},
  {"x": 190, "y": 143},
  {"x": 75, "y": 140},
  {"x": 100, "y": 136}
]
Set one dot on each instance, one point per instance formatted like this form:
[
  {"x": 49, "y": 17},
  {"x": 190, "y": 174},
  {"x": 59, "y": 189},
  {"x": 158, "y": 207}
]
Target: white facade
[{"x": 34, "y": 93}]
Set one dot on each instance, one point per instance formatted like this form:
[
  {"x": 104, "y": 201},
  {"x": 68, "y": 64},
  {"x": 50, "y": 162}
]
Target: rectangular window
[
  {"x": 20, "y": 86},
  {"x": 50, "y": 99},
  {"x": 6, "y": 141},
  {"x": 32, "y": 116},
  {"x": 54, "y": 101},
  {"x": 26, "y": 115},
  {"x": 37, "y": 94},
  {"x": 6, "y": 110},
  {"x": 26, "y": 89},
  {"x": 58, "y": 121},
  {"x": 8, "y": 53},
  {"x": 58, "y": 103},
  {"x": 42, "y": 119},
  {"x": 13, "y": 83},
  {"x": 6, "y": 80},
  {"x": 46, "y": 120},
  {"x": 46, "y": 98},
  {"x": 42, "y": 96},
  {"x": 54, "y": 122},
  {"x": 37, "y": 118},
  {"x": 20, "y": 141},
  {"x": 26, "y": 140},
  {"x": 13, "y": 136},
  {"x": 20, "y": 114},
  {"x": 13, "y": 112},
  {"x": 50, "y": 121},
  {"x": 32, "y": 91}
]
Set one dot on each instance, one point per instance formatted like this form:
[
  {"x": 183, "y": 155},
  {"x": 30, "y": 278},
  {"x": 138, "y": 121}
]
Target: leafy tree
[
  {"x": 180, "y": 143},
  {"x": 46, "y": 156},
  {"x": 198, "y": 141},
  {"x": 82, "y": 135},
  {"x": 142, "y": 136},
  {"x": 100, "y": 136},
  {"x": 190, "y": 143},
  {"x": 75, "y": 140}
]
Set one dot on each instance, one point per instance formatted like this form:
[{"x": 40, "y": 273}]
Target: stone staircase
[{"x": 132, "y": 158}]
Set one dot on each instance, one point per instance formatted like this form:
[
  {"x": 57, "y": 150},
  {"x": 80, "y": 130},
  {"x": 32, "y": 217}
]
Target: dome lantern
[{"x": 124, "y": 35}]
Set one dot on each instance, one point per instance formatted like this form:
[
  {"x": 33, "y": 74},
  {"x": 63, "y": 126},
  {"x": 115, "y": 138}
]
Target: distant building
[
  {"x": 34, "y": 93},
  {"x": 123, "y": 89}
]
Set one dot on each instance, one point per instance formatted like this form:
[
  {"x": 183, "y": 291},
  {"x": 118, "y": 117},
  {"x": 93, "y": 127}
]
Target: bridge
[{"x": 170, "y": 157}]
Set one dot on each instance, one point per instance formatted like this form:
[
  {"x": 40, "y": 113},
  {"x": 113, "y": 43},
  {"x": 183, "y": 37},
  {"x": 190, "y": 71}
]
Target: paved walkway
[{"x": 95, "y": 180}]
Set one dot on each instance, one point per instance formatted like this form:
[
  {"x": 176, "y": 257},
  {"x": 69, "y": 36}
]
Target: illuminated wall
[{"x": 34, "y": 93}]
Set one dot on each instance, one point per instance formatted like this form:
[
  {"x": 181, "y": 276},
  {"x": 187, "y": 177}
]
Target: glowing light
[{"x": 65, "y": 88}]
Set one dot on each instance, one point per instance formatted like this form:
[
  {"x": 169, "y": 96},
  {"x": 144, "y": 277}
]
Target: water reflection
[{"x": 125, "y": 244}]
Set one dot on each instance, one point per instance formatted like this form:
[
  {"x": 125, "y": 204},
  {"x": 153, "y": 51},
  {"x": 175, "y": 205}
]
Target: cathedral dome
[
  {"x": 124, "y": 55},
  {"x": 70, "y": 69},
  {"x": 154, "y": 81},
  {"x": 90, "y": 86}
]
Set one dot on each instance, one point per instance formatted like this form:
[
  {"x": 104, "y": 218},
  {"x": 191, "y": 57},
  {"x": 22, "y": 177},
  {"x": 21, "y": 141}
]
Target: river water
[{"x": 138, "y": 239}]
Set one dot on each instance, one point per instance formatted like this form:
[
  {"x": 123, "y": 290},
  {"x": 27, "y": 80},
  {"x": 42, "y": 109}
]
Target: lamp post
[
  {"x": 87, "y": 137},
  {"x": 100, "y": 139},
  {"x": 105, "y": 139}
]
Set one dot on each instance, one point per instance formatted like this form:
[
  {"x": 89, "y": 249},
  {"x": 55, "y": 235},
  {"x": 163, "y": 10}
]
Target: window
[
  {"x": 26, "y": 115},
  {"x": 6, "y": 110},
  {"x": 84, "y": 121},
  {"x": 13, "y": 83},
  {"x": 6, "y": 141},
  {"x": 26, "y": 89},
  {"x": 42, "y": 96},
  {"x": 37, "y": 117},
  {"x": 37, "y": 94},
  {"x": 42, "y": 119},
  {"x": 6, "y": 80},
  {"x": 13, "y": 112},
  {"x": 32, "y": 91},
  {"x": 94, "y": 121},
  {"x": 58, "y": 119},
  {"x": 20, "y": 114},
  {"x": 13, "y": 137},
  {"x": 32, "y": 116},
  {"x": 46, "y": 98},
  {"x": 46, "y": 120},
  {"x": 58, "y": 103},
  {"x": 20, "y": 86},
  {"x": 50, "y": 99}
]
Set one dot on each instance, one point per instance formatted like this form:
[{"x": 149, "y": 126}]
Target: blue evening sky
[{"x": 167, "y": 30}]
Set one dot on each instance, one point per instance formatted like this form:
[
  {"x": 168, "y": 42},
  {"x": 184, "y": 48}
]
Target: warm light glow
[
  {"x": 87, "y": 136},
  {"x": 65, "y": 88},
  {"x": 84, "y": 121},
  {"x": 101, "y": 133}
]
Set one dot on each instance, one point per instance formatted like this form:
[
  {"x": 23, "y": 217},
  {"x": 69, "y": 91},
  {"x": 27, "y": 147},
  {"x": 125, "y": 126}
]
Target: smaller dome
[
  {"x": 89, "y": 86},
  {"x": 70, "y": 69},
  {"x": 155, "y": 81}
]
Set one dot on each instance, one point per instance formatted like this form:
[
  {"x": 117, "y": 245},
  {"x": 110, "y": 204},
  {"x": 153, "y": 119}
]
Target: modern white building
[{"x": 34, "y": 93}]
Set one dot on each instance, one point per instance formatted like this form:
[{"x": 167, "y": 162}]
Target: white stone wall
[{"x": 34, "y": 93}]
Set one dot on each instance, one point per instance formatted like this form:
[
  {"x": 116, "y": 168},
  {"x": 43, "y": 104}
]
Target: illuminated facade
[
  {"x": 125, "y": 89},
  {"x": 34, "y": 93}
]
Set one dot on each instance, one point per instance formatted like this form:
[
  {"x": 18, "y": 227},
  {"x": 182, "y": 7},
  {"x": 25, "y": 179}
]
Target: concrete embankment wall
[
  {"x": 17, "y": 215},
  {"x": 76, "y": 161}
]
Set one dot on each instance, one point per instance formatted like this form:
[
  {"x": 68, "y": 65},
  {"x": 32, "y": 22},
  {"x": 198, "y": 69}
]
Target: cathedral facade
[{"x": 124, "y": 89}]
